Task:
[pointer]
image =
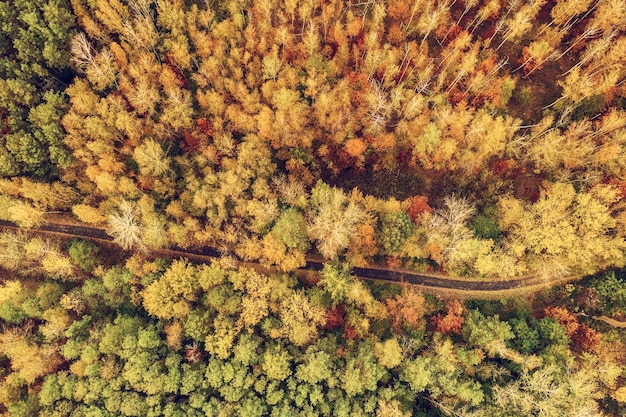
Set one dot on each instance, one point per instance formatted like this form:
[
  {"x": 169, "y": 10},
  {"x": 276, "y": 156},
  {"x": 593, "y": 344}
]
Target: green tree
[
  {"x": 34, "y": 40},
  {"x": 84, "y": 254},
  {"x": 395, "y": 229},
  {"x": 291, "y": 229}
]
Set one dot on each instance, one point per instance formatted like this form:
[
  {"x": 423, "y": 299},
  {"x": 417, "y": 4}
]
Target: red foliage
[
  {"x": 419, "y": 206},
  {"x": 335, "y": 317},
  {"x": 455, "y": 96},
  {"x": 502, "y": 166},
  {"x": 564, "y": 317},
  {"x": 404, "y": 157},
  {"x": 349, "y": 333},
  {"x": 191, "y": 142},
  {"x": 586, "y": 339},
  {"x": 452, "y": 321},
  {"x": 193, "y": 353},
  {"x": 180, "y": 75},
  {"x": 341, "y": 158},
  {"x": 489, "y": 32},
  {"x": 453, "y": 32},
  {"x": 478, "y": 100},
  {"x": 204, "y": 126}
]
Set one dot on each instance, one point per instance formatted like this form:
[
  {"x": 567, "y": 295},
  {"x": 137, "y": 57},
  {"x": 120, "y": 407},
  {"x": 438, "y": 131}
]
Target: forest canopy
[
  {"x": 423, "y": 134},
  {"x": 480, "y": 139}
]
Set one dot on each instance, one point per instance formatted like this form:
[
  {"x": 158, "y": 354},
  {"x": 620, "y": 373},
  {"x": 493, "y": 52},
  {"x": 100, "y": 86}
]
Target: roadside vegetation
[{"x": 164, "y": 337}]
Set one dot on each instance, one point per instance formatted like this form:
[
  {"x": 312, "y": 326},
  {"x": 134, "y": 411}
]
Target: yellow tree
[{"x": 564, "y": 231}]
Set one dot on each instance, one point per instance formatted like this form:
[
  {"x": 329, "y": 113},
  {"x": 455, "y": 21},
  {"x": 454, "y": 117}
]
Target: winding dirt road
[{"x": 439, "y": 284}]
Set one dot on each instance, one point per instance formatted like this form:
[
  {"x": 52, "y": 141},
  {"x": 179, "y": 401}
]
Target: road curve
[{"x": 437, "y": 283}]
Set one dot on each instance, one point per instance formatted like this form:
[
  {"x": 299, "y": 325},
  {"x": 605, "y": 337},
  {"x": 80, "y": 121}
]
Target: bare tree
[{"x": 124, "y": 226}]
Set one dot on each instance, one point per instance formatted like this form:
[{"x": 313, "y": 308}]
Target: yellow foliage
[
  {"x": 30, "y": 361},
  {"x": 172, "y": 295},
  {"x": 88, "y": 214},
  {"x": 25, "y": 215},
  {"x": 300, "y": 318},
  {"x": 174, "y": 333},
  {"x": 388, "y": 353},
  {"x": 620, "y": 395},
  {"x": 56, "y": 264},
  {"x": 57, "y": 322},
  {"x": 10, "y": 291}
]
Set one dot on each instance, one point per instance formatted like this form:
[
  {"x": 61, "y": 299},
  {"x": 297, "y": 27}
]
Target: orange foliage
[
  {"x": 364, "y": 246},
  {"x": 565, "y": 319},
  {"x": 586, "y": 339},
  {"x": 396, "y": 35},
  {"x": 399, "y": 10},
  {"x": 298, "y": 171},
  {"x": 452, "y": 321},
  {"x": 353, "y": 28},
  {"x": 419, "y": 206},
  {"x": 384, "y": 142},
  {"x": 355, "y": 147},
  {"x": 433, "y": 251},
  {"x": 407, "y": 309}
]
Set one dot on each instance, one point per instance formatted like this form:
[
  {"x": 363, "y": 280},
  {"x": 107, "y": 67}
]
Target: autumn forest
[{"x": 470, "y": 140}]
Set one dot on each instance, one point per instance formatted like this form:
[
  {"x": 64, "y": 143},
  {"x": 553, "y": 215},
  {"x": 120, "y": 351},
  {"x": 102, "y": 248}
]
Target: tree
[
  {"x": 547, "y": 392},
  {"x": 276, "y": 363},
  {"x": 453, "y": 321},
  {"x": 300, "y": 319},
  {"x": 172, "y": 295},
  {"x": 84, "y": 254},
  {"x": 317, "y": 366},
  {"x": 488, "y": 333},
  {"x": 33, "y": 70},
  {"x": 395, "y": 229},
  {"x": 332, "y": 219},
  {"x": 336, "y": 280},
  {"x": 388, "y": 353},
  {"x": 569, "y": 230},
  {"x": 291, "y": 229},
  {"x": 124, "y": 226},
  {"x": 151, "y": 158},
  {"x": 406, "y": 310}
]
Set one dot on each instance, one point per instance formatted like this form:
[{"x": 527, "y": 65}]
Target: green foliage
[
  {"x": 479, "y": 330},
  {"x": 34, "y": 40},
  {"x": 276, "y": 363},
  {"x": 523, "y": 95},
  {"x": 291, "y": 229},
  {"x": 336, "y": 280},
  {"x": 117, "y": 361},
  {"x": 395, "y": 229},
  {"x": 551, "y": 333},
  {"x": 611, "y": 287},
  {"x": 12, "y": 314},
  {"x": 526, "y": 336},
  {"x": 485, "y": 224},
  {"x": 84, "y": 254}
]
